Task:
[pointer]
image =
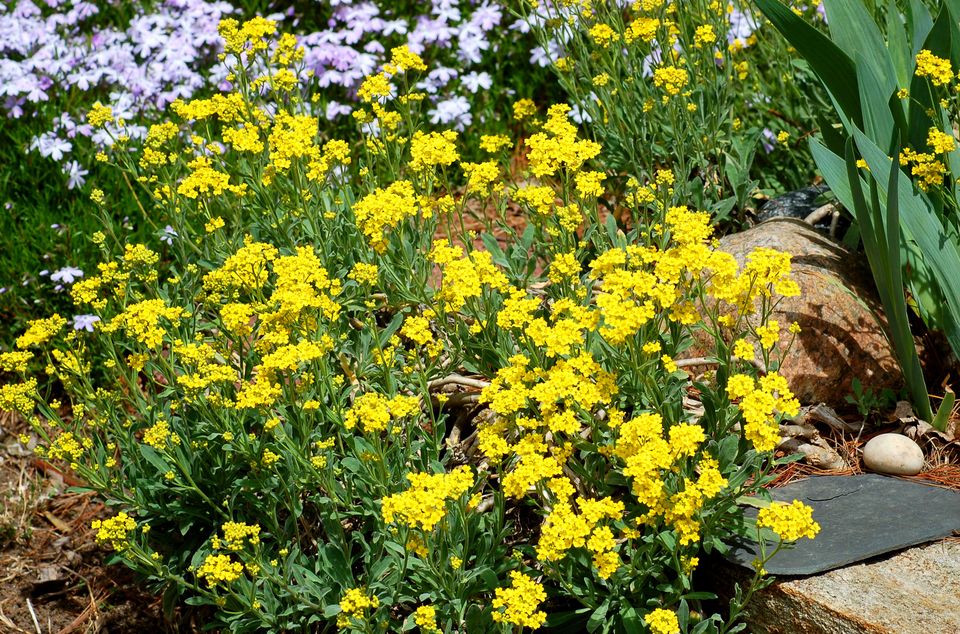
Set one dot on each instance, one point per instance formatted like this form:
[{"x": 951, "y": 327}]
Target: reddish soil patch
[{"x": 53, "y": 576}]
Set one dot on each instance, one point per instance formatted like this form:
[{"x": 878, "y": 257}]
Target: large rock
[
  {"x": 843, "y": 331},
  {"x": 914, "y": 592}
]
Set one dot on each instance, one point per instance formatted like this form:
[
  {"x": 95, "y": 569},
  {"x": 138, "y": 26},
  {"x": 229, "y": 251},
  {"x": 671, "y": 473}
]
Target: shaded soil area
[{"x": 53, "y": 577}]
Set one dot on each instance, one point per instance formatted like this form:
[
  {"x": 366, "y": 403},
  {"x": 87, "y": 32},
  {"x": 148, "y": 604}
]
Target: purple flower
[
  {"x": 336, "y": 109},
  {"x": 84, "y": 322},
  {"x": 742, "y": 26},
  {"x": 75, "y": 174},
  {"x": 168, "y": 234},
  {"x": 454, "y": 112},
  {"x": 67, "y": 275},
  {"x": 474, "y": 81},
  {"x": 769, "y": 140},
  {"x": 49, "y": 145}
]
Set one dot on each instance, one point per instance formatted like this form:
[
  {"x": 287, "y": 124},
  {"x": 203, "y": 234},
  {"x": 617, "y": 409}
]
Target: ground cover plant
[
  {"x": 59, "y": 58},
  {"x": 343, "y": 392}
]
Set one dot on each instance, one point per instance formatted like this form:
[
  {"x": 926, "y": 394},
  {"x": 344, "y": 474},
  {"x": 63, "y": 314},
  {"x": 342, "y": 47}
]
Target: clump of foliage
[{"x": 276, "y": 405}]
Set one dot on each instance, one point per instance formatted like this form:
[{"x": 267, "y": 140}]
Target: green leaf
[
  {"x": 939, "y": 421},
  {"x": 153, "y": 457},
  {"x": 901, "y": 55},
  {"x": 921, "y": 22},
  {"x": 496, "y": 253},
  {"x": 829, "y": 61},
  {"x": 599, "y": 617},
  {"x": 878, "y": 121},
  {"x": 920, "y": 223},
  {"x": 854, "y": 29}
]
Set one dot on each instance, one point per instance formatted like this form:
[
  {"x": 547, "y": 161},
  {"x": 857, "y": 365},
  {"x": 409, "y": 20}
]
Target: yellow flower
[
  {"x": 403, "y": 59},
  {"x": 383, "y": 209},
  {"x": 433, "y": 149},
  {"x": 769, "y": 334},
  {"x": 354, "y": 604},
  {"x": 936, "y": 68},
  {"x": 671, "y": 79},
  {"x": 524, "y": 108},
  {"x": 99, "y": 115},
  {"x": 494, "y": 143},
  {"x": 704, "y": 35},
  {"x": 115, "y": 530},
  {"x": 941, "y": 142},
  {"x": 518, "y": 604},
  {"x": 662, "y": 621},
  {"x": 789, "y": 521},
  {"x": 589, "y": 183},
  {"x": 417, "y": 329},
  {"x": 424, "y": 504},
  {"x": 426, "y": 618},
  {"x": 213, "y": 224},
  {"x": 40, "y": 331},
  {"x": 236, "y": 533},
  {"x": 364, "y": 274},
  {"x": 743, "y": 349},
  {"x": 602, "y": 35}
]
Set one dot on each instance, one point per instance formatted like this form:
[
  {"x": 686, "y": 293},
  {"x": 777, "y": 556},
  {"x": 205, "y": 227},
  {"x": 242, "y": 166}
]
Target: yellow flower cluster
[
  {"x": 464, "y": 276},
  {"x": 18, "y": 397},
  {"x": 236, "y": 534},
  {"x": 353, "y": 605},
  {"x": 602, "y": 35},
  {"x": 493, "y": 143},
  {"x": 373, "y": 412},
  {"x": 99, "y": 115},
  {"x": 159, "y": 435},
  {"x": 424, "y": 504},
  {"x": 557, "y": 146},
  {"x": 480, "y": 176},
  {"x": 115, "y": 530},
  {"x": 928, "y": 171},
  {"x": 384, "y": 209},
  {"x": 518, "y": 604},
  {"x": 218, "y": 568},
  {"x": 40, "y": 331},
  {"x": 648, "y": 458},
  {"x": 941, "y": 142},
  {"x": 937, "y": 69},
  {"x": 760, "y": 401},
  {"x": 142, "y": 321},
  {"x": 671, "y": 80},
  {"x": 251, "y": 35},
  {"x": 425, "y": 618},
  {"x": 434, "y": 149},
  {"x": 565, "y": 528},
  {"x": 789, "y": 521},
  {"x": 15, "y": 360},
  {"x": 206, "y": 180},
  {"x": 662, "y": 621}
]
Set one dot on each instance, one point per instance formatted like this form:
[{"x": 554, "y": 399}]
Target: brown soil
[{"x": 53, "y": 576}]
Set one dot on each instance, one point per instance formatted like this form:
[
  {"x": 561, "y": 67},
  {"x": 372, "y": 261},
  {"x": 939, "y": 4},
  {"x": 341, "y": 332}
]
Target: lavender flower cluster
[
  {"x": 168, "y": 50},
  {"x": 56, "y": 52},
  {"x": 455, "y": 36},
  {"x": 58, "y": 57}
]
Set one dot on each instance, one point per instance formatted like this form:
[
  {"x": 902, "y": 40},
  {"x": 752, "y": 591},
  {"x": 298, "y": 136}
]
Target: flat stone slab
[
  {"x": 913, "y": 592},
  {"x": 860, "y": 517}
]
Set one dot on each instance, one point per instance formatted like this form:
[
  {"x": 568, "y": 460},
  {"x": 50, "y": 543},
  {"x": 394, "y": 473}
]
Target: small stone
[{"x": 893, "y": 454}]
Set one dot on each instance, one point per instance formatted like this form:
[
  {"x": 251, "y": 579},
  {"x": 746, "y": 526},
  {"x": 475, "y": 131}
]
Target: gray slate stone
[{"x": 860, "y": 517}]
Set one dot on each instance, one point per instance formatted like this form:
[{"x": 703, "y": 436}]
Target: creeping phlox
[{"x": 281, "y": 392}]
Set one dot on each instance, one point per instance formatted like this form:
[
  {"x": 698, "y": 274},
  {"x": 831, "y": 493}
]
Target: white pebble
[{"x": 893, "y": 454}]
